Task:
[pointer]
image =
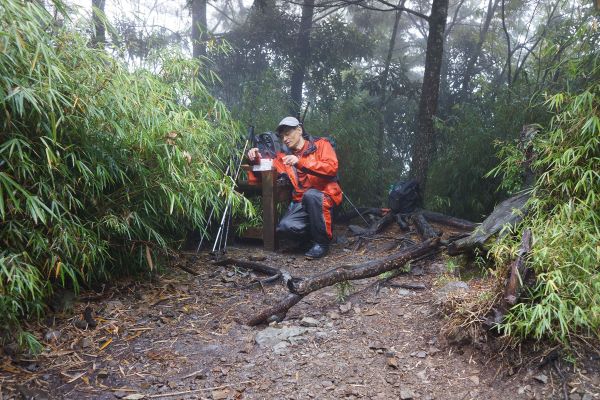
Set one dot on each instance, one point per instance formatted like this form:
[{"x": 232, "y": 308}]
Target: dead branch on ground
[{"x": 302, "y": 287}]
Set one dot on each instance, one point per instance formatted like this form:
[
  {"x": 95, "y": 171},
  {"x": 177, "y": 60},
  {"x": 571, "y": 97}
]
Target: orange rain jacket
[{"x": 317, "y": 168}]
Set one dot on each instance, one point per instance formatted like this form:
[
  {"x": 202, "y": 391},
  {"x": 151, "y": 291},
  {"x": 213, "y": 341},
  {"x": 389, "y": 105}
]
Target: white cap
[{"x": 288, "y": 121}]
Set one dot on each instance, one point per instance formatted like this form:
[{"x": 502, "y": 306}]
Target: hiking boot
[{"x": 317, "y": 251}]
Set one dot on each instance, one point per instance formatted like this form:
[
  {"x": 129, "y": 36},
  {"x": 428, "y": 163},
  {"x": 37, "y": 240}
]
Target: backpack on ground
[{"x": 404, "y": 197}]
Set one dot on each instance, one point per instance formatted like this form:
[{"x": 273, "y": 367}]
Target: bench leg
[{"x": 269, "y": 211}]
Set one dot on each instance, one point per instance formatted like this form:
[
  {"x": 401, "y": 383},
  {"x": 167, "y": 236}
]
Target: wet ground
[{"x": 182, "y": 336}]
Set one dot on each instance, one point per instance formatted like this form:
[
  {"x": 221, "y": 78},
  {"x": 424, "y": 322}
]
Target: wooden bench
[{"x": 272, "y": 193}]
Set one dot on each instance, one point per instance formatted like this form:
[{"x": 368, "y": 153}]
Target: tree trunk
[
  {"x": 383, "y": 97},
  {"x": 301, "y": 59},
  {"x": 424, "y": 141},
  {"x": 509, "y": 51},
  {"x": 472, "y": 60},
  {"x": 199, "y": 27},
  {"x": 99, "y": 36}
]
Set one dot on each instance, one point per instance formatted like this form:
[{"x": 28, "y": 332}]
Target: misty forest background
[{"x": 119, "y": 119}]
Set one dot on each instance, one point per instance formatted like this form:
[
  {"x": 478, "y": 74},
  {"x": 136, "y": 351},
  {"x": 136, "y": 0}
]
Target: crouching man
[{"x": 311, "y": 165}]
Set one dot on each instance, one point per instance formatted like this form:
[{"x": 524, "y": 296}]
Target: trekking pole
[
  {"x": 209, "y": 220},
  {"x": 356, "y": 209},
  {"x": 228, "y": 205}
]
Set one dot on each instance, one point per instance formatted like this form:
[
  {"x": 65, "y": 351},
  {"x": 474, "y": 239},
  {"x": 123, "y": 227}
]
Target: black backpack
[
  {"x": 268, "y": 144},
  {"x": 404, "y": 197}
]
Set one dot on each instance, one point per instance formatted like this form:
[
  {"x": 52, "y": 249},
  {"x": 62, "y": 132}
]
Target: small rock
[
  {"x": 309, "y": 322},
  {"x": 120, "y": 395},
  {"x": 541, "y": 378},
  {"x": 86, "y": 343},
  {"x": 327, "y": 384},
  {"x": 575, "y": 396},
  {"x": 587, "y": 396},
  {"x": 419, "y": 354},
  {"x": 392, "y": 362},
  {"x": 403, "y": 292},
  {"x": 333, "y": 315},
  {"x": 344, "y": 308},
  {"x": 32, "y": 367},
  {"x": 406, "y": 394},
  {"x": 474, "y": 379},
  {"x": 220, "y": 394},
  {"x": 257, "y": 257},
  {"x": 52, "y": 336}
]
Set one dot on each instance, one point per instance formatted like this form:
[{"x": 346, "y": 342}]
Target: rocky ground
[{"x": 182, "y": 336}]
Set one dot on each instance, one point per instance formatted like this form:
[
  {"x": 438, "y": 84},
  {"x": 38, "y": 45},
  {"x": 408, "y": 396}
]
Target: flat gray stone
[
  {"x": 280, "y": 348},
  {"x": 271, "y": 336},
  {"x": 309, "y": 322},
  {"x": 451, "y": 287},
  {"x": 542, "y": 378},
  {"x": 406, "y": 394}
]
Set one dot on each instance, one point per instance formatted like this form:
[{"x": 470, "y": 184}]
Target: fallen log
[
  {"x": 302, "y": 287},
  {"x": 375, "y": 228},
  {"x": 506, "y": 214},
  {"x": 449, "y": 221},
  {"x": 252, "y": 265},
  {"x": 382, "y": 223},
  {"x": 368, "y": 269},
  {"x": 187, "y": 269},
  {"x": 276, "y": 312},
  {"x": 425, "y": 230}
]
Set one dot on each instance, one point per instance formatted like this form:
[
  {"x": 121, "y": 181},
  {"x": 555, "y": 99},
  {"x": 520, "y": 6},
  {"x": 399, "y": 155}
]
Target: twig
[
  {"x": 154, "y": 396},
  {"x": 187, "y": 269}
]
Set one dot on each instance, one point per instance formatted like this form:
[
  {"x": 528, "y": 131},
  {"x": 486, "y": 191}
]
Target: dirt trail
[{"x": 182, "y": 337}]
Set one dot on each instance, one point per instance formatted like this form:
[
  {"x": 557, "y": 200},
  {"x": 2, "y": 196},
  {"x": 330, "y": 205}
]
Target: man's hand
[
  {"x": 290, "y": 160},
  {"x": 253, "y": 154}
]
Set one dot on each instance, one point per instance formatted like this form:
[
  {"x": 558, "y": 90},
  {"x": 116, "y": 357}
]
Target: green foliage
[
  {"x": 343, "y": 290},
  {"x": 102, "y": 170},
  {"x": 564, "y": 212},
  {"x": 458, "y": 182}
]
